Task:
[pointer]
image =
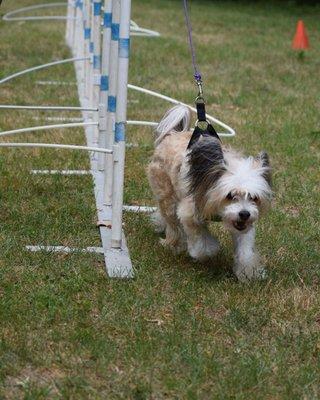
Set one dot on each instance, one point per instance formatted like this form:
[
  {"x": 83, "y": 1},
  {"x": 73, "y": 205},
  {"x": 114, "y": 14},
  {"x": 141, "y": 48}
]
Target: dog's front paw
[
  {"x": 176, "y": 248},
  {"x": 203, "y": 248},
  {"x": 249, "y": 269}
]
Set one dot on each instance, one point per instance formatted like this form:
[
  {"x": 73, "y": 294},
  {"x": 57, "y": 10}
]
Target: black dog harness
[{"x": 203, "y": 127}]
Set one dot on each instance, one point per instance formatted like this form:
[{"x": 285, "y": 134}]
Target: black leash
[{"x": 202, "y": 127}]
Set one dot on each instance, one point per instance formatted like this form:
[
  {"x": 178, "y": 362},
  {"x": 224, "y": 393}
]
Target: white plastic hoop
[
  {"x": 174, "y": 101},
  {"x": 135, "y": 29},
  {"x": 57, "y": 146},
  {"x": 42, "y": 66}
]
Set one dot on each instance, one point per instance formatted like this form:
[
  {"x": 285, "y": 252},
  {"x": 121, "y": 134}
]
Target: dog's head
[{"x": 225, "y": 184}]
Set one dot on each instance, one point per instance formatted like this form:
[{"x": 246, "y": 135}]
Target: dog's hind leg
[
  {"x": 201, "y": 245},
  {"x": 175, "y": 238},
  {"x": 165, "y": 218},
  {"x": 158, "y": 221}
]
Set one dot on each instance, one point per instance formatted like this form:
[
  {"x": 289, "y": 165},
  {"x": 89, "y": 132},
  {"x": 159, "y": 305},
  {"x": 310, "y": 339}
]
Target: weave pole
[
  {"x": 68, "y": 24},
  {"x": 112, "y": 99},
  {"x": 96, "y": 36},
  {"x": 102, "y": 86},
  {"x": 120, "y": 126},
  {"x": 86, "y": 48},
  {"x": 104, "y": 82}
]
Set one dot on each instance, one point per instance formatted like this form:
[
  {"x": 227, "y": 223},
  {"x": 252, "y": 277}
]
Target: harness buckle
[
  {"x": 200, "y": 93},
  {"x": 203, "y": 125}
]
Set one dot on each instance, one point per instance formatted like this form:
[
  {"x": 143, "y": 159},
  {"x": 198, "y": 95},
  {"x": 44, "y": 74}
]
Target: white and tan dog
[{"x": 194, "y": 185}]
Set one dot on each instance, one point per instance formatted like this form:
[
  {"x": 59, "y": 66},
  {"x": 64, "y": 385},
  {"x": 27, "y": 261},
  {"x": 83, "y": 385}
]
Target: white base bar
[
  {"x": 55, "y": 83},
  {"x": 139, "y": 209},
  {"x": 143, "y": 123},
  {"x": 60, "y": 119},
  {"x": 59, "y": 172},
  {"x": 65, "y": 249}
]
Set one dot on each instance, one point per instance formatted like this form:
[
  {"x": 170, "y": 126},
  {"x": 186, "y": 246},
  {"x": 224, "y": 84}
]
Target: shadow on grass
[{"x": 145, "y": 246}]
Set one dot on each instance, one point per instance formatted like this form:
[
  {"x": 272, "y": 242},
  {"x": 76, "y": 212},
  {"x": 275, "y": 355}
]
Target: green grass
[{"x": 179, "y": 330}]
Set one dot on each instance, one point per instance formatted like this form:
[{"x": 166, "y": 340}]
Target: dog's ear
[{"x": 263, "y": 158}]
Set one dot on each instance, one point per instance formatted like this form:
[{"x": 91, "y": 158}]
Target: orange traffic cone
[{"x": 300, "y": 40}]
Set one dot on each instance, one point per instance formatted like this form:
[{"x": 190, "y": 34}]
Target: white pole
[
  {"x": 82, "y": 69},
  {"x": 72, "y": 22},
  {"x": 121, "y": 117},
  {"x": 87, "y": 41},
  {"x": 79, "y": 43},
  {"x": 96, "y": 32},
  {"x": 104, "y": 83},
  {"x": 112, "y": 98},
  {"x": 91, "y": 51},
  {"x": 96, "y": 36},
  {"x": 76, "y": 28},
  {"x": 69, "y": 22},
  {"x": 90, "y": 82},
  {"x": 105, "y": 51}
]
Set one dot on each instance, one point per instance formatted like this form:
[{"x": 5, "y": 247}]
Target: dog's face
[
  {"x": 242, "y": 192},
  {"x": 240, "y": 210},
  {"x": 226, "y": 184}
]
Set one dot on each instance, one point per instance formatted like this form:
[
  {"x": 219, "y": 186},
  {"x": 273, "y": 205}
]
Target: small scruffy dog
[{"x": 207, "y": 180}]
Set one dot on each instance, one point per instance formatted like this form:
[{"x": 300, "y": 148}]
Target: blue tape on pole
[
  {"x": 87, "y": 33},
  {"x": 104, "y": 83},
  {"x": 81, "y": 5},
  {"x": 91, "y": 47},
  {"x": 107, "y": 20},
  {"x": 96, "y": 8},
  {"x": 115, "y": 28},
  {"x": 96, "y": 62},
  {"x": 120, "y": 133},
  {"x": 112, "y": 103},
  {"x": 124, "y": 48}
]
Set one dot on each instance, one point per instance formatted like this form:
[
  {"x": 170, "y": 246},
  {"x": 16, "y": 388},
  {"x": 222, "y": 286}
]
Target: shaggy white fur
[{"x": 192, "y": 186}]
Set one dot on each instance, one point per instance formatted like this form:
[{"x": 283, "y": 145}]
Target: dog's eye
[
  {"x": 254, "y": 198},
  {"x": 230, "y": 196}
]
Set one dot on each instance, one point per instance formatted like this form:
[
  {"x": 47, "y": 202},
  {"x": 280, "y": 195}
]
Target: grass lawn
[{"x": 179, "y": 330}]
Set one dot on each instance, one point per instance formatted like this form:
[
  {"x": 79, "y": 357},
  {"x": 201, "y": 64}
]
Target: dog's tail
[{"x": 176, "y": 120}]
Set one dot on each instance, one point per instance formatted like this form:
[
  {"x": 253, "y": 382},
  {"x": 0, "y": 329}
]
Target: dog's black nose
[{"x": 244, "y": 215}]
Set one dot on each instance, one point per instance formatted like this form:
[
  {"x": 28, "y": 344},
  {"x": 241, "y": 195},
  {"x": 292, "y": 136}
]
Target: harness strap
[
  {"x": 201, "y": 111},
  {"x": 198, "y": 132}
]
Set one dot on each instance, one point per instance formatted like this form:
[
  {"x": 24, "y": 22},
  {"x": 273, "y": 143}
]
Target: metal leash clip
[
  {"x": 201, "y": 122},
  {"x": 199, "y": 83}
]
